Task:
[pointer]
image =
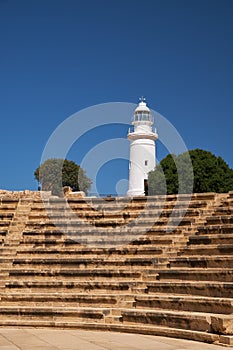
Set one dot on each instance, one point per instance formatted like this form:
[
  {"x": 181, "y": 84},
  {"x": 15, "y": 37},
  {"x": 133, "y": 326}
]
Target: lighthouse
[{"x": 142, "y": 149}]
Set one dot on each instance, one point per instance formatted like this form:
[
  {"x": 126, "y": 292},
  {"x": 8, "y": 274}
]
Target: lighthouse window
[
  {"x": 142, "y": 116},
  {"x": 146, "y": 162}
]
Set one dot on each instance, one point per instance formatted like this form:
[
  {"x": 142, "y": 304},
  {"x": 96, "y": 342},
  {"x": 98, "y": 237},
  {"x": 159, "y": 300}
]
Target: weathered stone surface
[
  {"x": 222, "y": 325},
  {"x": 154, "y": 266},
  {"x": 226, "y": 339}
]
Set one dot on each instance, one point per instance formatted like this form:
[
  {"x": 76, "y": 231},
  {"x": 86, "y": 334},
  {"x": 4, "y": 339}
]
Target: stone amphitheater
[{"x": 151, "y": 265}]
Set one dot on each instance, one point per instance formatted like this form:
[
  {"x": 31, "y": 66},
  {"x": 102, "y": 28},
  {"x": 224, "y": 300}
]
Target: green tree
[
  {"x": 56, "y": 173},
  {"x": 205, "y": 173}
]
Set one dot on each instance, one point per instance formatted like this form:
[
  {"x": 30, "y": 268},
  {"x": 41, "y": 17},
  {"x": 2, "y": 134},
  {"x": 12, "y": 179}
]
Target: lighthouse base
[{"x": 134, "y": 193}]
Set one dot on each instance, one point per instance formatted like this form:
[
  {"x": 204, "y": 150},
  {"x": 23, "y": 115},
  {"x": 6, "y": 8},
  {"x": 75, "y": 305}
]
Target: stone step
[
  {"x": 8, "y": 206},
  {"x": 125, "y": 213},
  {"x": 115, "y": 259},
  {"x": 211, "y": 239},
  {"x": 120, "y": 231},
  {"x": 205, "y": 196},
  {"x": 195, "y": 204},
  {"x": 135, "y": 207},
  {"x": 70, "y": 248},
  {"x": 158, "y": 244},
  {"x": 47, "y": 230},
  {"x": 94, "y": 242},
  {"x": 50, "y": 313},
  {"x": 126, "y": 328},
  {"x": 4, "y": 224},
  {"x": 146, "y": 204},
  {"x": 162, "y": 237},
  {"x": 136, "y": 265},
  {"x": 216, "y": 261},
  {"x": 7, "y": 250},
  {"x": 75, "y": 274},
  {"x": 197, "y": 274},
  {"x": 201, "y": 288},
  {"x": 81, "y": 262},
  {"x": 185, "y": 303},
  {"x": 67, "y": 299},
  {"x": 215, "y": 229},
  {"x": 151, "y": 234},
  {"x": 224, "y": 210},
  {"x": 218, "y": 326},
  {"x": 125, "y": 237},
  {"x": 196, "y": 321},
  {"x": 145, "y": 246},
  {"x": 84, "y": 286},
  {"x": 219, "y": 219},
  {"x": 105, "y": 222},
  {"x": 57, "y": 208},
  {"x": 172, "y": 231},
  {"x": 139, "y": 223},
  {"x": 208, "y": 249},
  {"x": 119, "y": 201},
  {"x": 5, "y": 215}
]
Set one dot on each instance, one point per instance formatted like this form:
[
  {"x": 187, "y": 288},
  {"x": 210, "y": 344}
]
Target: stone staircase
[
  {"x": 200, "y": 278},
  {"x": 8, "y": 207},
  {"x": 153, "y": 265}
]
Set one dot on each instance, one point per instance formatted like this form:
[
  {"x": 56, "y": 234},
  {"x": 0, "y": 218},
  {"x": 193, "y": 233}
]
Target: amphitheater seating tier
[{"x": 153, "y": 265}]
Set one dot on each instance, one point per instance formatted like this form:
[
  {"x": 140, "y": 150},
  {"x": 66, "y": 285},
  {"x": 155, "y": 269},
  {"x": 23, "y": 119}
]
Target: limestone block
[
  {"x": 226, "y": 340},
  {"x": 67, "y": 190},
  {"x": 222, "y": 325},
  {"x": 78, "y": 194}
]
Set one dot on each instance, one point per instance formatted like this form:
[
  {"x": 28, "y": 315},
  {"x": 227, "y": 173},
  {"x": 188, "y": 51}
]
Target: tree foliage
[
  {"x": 56, "y": 173},
  {"x": 205, "y": 173}
]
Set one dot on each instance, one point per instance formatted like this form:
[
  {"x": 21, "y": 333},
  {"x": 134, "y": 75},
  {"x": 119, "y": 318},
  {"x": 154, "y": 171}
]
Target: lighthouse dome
[{"x": 142, "y": 107}]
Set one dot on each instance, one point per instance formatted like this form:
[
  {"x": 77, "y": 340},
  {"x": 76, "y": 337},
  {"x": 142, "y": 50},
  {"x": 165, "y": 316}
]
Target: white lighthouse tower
[{"x": 142, "y": 150}]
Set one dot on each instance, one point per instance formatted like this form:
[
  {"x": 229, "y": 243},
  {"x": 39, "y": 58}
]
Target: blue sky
[{"x": 60, "y": 56}]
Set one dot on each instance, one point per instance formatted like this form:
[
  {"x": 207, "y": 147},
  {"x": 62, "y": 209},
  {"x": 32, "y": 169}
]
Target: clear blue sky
[{"x": 60, "y": 56}]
